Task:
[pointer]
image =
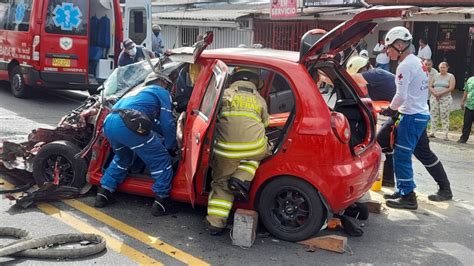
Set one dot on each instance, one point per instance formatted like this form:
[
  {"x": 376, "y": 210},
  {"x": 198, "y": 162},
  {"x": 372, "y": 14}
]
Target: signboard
[
  {"x": 447, "y": 37},
  {"x": 309, "y": 3},
  {"x": 283, "y": 8}
]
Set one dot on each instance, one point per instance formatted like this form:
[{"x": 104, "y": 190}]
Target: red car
[{"x": 325, "y": 156}]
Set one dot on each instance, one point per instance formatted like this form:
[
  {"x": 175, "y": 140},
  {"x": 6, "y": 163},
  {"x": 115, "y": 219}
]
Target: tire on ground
[
  {"x": 67, "y": 150},
  {"x": 17, "y": 83},
  {"x": 267, "y": 203}
]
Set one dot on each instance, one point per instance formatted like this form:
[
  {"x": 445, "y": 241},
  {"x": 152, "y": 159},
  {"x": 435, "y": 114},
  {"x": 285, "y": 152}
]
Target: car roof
[{"x": 251, "y": 54}]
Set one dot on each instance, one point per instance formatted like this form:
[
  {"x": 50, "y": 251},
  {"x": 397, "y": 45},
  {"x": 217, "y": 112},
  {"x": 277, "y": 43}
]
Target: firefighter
[
  {"x": 142, "y": 124},
  {"x": 240, "y": 145},
  {"x": 381, "y": 87}
]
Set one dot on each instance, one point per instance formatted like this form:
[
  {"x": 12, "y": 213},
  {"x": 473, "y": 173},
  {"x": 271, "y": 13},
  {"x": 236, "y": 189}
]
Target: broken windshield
[{"x": 126, "y": 77}]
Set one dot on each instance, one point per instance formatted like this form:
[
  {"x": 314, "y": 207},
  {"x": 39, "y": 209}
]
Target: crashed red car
[{"x": 325, "y": 156}]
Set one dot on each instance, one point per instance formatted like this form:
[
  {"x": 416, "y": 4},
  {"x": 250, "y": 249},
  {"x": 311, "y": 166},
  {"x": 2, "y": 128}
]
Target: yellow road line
[
  {"x": 81, "y": 226},
  {"x": 112, "y": 243},
  {"x": 151, "y": 241}
]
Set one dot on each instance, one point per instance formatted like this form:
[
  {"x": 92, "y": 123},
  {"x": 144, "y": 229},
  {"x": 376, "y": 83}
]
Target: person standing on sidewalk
[
  {"x": 440, "y": 100},
  {"x": 381, "y": 87},
  {"x": 429, "y": 65},
  {"x": 382, "y": 60},
  {"x": 467, "y": 104},
  {"x": 411, "y": 102}
]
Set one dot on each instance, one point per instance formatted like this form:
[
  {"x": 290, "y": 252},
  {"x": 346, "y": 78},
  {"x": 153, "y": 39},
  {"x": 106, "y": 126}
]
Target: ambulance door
[
  {"x": 200, "y": 120},
  {"x": 138, "y": 22}
]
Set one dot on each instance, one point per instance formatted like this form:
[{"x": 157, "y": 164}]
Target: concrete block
[
  {"x": 330, "y": 242},
  {"x": 374, "y": 206},
  {"x": 244, "y": 230}
]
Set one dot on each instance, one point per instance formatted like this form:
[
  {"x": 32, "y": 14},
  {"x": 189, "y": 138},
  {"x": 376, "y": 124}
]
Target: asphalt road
[{"x": 435, "y": 234}]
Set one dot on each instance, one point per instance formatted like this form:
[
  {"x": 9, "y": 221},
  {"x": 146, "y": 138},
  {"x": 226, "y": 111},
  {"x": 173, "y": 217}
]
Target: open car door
[
  {"x": 351, "y": 31},
  {"x": 191, "y": 54},
  {"x": 200, "y": 121}
]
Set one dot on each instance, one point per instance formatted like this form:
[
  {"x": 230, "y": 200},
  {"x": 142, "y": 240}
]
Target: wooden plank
[{"x": 330, "y": 242}]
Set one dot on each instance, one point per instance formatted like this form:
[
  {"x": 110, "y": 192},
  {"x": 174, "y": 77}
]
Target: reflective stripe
[
  {"x": 164, "y": 109},
  {"x": 242, "y": 146},
  {"x": 403, "y": 147},
  {"x": 253, "y": 163},
  {"x": 247, "y": 169},
  {"x": 120, "y": 148},
  {"x": 404, "y": 180},
  {"x": 433, "y": 164},
  {"x": 161, "y": 171},
  {"x": 141, "y": 145},
  {"x": 123, "y": 168},
  {"x": 220, "y": 203},
  {"x": 218, "y": 212},
  {"x": 243, "y": 114},
  {"x": 240, "y": 154}
]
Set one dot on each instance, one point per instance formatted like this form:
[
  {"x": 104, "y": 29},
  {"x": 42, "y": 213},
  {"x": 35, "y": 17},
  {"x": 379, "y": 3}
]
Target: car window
[
  {"x": 210, "y": 97},
  {"x": 67, "y": 17},
  {"x": 137, "y": 25},
  {"x": 281, "y": 98},
  {"x": 15, "y": 14}
]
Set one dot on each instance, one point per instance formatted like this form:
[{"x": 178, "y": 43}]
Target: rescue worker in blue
[
  {"x": 153, "y": 146},
  {"x": 410, "y": 101},
  {"x": 381, "y": 87},
  {"x": 132, "y": 53}
]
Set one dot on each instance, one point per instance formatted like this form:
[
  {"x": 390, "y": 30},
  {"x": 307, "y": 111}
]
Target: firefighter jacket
[{"x": 241, "y": 122}]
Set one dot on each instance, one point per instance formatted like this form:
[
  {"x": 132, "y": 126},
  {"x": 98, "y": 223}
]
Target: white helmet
[
  {"x": 364, "y": 53},
  {"x": 397, "y": 33},
  {"x": 355, "y": 63}
]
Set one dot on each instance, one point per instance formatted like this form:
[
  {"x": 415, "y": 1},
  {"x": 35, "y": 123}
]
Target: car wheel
[
  {"x": 291, "y": 209},
  {"x": 57, "y": 159},
  {"x": 17, "y": 83}
]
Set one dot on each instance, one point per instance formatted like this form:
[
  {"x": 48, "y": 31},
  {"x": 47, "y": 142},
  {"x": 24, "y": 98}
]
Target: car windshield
[{"x": 126, "y": 77}]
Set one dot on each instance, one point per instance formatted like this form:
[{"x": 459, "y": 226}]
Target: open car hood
[
  {"x": 353, "y": 30},
  {"x": 191, "y": 54}
]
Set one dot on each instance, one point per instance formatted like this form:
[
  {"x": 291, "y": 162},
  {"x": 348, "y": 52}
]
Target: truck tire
[
  {"x": 60, "y": 155},
  {"x": 17, "y": 83},
  {"x": 291, "y": 209}
]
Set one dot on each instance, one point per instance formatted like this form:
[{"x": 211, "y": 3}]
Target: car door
[
  {"x": 138, "y": 22},
  {"x": 200, "y": 120}
]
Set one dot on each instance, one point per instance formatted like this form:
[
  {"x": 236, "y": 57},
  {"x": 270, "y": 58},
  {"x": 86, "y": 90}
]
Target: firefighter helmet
[
  {"x": 355, "y": 64},
  {"x": 397, "y": 33}
]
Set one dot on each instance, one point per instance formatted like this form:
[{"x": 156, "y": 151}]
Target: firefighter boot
[
  {"x": 160, "y": 207},
  {"x": 213, "y": 230},
  {"x": 240, "y": 189},
  {"x": 442, "y": 194},
  {"x": 103, "y": 197},
  {"x": 404, "y": 202}
]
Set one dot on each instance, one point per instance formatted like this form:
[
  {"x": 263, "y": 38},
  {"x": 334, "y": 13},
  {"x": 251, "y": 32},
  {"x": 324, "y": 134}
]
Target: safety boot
[
  {"x": 441, "y": 195},
  {"x": 160, "y": 207},
  {"x": 404, "y": 202},
  {"x": 103, "y": 197},
  {"x": 213, "y": 230},
  {"x": 394, "y": 195},
  {"x": 240, "y": 189}
]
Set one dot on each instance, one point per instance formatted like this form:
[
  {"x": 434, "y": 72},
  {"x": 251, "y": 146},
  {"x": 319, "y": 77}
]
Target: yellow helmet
[{"x": 355, "y": 63}]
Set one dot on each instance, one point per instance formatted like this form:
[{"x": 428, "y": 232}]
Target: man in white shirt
[
  {"x": 411, "y": 103},
  {"x": 381, "y": 61},
  {"x": 424, "y": 52}
]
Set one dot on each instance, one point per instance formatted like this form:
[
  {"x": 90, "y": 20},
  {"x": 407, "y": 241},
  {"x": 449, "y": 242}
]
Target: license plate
[{"x": 61, "y": 62}]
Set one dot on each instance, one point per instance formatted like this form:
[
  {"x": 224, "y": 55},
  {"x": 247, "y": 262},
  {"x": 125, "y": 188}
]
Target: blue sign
[
  {"x": 20, "y": 12},
  {"x": 67, "y": 16}
]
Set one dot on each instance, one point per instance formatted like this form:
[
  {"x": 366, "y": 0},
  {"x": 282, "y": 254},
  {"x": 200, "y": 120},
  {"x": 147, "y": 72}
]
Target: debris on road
[{"x": 330, "y": 242}]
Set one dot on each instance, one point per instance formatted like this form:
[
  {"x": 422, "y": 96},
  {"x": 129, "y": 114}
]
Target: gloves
[{"x": 388, "y": 112}]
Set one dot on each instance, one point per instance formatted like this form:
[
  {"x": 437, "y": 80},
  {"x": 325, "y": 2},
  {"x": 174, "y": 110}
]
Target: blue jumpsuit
[{"x": 152, "y": 149}]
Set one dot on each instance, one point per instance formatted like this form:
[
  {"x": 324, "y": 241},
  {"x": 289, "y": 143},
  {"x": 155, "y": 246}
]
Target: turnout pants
[
  {"x": 221, "y": 199},
  {"x": 422, "y": 152},
  {"x": 149, "y": 148},
  {"x": 440, "y": 112}
]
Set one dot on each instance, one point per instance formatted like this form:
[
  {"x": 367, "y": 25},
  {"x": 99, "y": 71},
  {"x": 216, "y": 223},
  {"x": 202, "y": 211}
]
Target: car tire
[
  {"x": 291, "y": 209},
  {"x": 17, "y": 83},
  {"x": 72, "y": 171}
]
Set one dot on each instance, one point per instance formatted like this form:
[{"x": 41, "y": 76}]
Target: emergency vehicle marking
[
  {"x": 20, "y": 12},
  {"x": 67, "y": 16},
  {"x": 65, "y": 43}
]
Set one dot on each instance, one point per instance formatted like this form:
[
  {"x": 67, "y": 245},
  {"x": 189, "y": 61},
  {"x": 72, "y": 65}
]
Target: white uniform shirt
[
  {"x": 412, "y": 87},
  {"x": 382, "y": 57},
  {"x": 425, "y": 52}
]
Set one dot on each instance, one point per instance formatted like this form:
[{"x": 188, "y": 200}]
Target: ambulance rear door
[{"x": 138, "y": 22}]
